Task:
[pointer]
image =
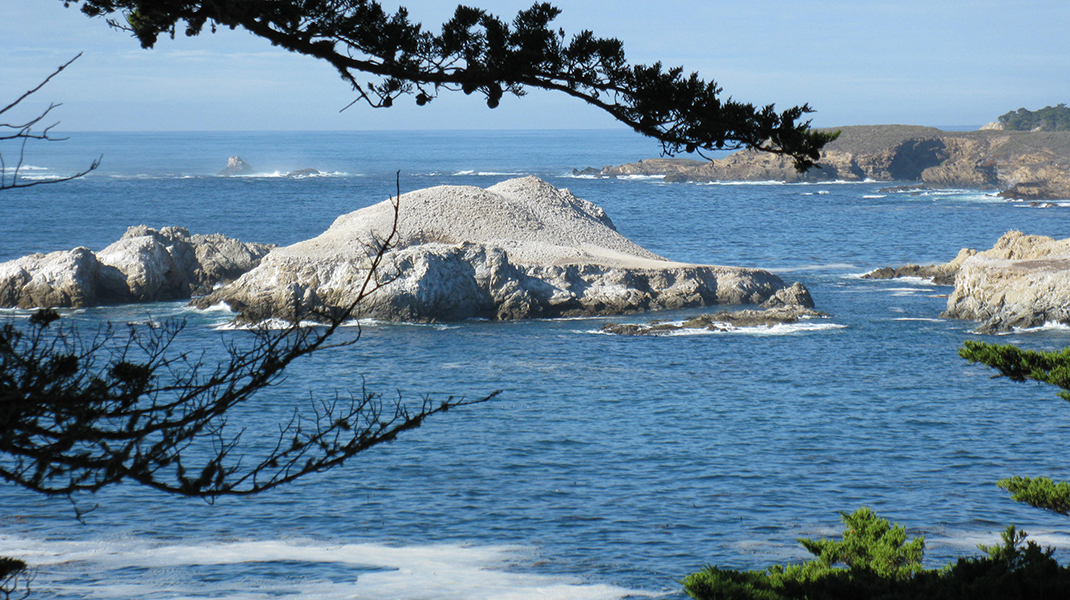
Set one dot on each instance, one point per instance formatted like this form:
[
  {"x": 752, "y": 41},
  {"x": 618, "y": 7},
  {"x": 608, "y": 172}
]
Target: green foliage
[
  {"x": 880, "y": 564},
  {"x": 1040, "y": 492},
  {"x": 1020, "y": 365},
  {"x": 479, "y": 52},
  {"x": 1049, "y": 118}
]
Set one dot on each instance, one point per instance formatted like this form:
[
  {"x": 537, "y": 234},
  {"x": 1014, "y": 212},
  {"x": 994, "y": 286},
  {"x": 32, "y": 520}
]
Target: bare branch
[{"x": 24, "y": 132}]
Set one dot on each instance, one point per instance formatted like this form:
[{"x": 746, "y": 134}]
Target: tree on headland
[
  {"x": 19, "y": 133},
  {"x": 477, "y": 52},
  {"x": 1049, "y": 118}
]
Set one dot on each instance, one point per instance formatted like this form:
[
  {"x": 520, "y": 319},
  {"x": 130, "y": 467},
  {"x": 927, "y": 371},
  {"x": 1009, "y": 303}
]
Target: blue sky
[{"x": 925, "y": 62}]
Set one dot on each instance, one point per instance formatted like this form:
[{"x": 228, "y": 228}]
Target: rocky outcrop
[
  {"x": 520, "y": 249},
  {"x": 940, "y": 273},
  {"x": 720, "y": 321},
  {"x": 1023, "y": 281},
  {"x": 1039, "y": 162},
  {"x": 236, "y": 166},
  {"x": 145, "y": 265}
]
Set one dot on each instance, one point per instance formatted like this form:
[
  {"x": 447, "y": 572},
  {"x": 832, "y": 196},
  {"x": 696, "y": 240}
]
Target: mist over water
[{"x": 609, "y": 466}]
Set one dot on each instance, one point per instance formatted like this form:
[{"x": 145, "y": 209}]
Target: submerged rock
[
  {"x": 519, "y": 249},
  {"x": 145, "y": 265}
]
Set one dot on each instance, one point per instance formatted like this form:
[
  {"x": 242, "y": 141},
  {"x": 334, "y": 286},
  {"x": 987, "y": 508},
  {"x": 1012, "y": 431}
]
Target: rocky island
[
  {"x": 519, "y": 249},
  {"x": 1022, "y": 281},
  {"x": 1030, "y": 165}
]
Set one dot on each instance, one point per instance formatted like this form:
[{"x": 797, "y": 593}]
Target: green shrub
[{"x": 874, "y": 561}]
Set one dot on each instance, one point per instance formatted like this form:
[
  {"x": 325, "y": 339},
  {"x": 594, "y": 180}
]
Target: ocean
[{"x": 609, "y": 466}]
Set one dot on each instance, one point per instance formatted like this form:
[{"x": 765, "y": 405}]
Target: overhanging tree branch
[{"x": 478, "y": 52}]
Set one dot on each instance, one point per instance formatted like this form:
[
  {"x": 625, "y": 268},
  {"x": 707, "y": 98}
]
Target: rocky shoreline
[
  {"x": 1023, "y": 281},
  {"x": 1014, "y": 164}
]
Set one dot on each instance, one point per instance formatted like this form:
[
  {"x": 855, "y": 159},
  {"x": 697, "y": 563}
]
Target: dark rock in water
[
  {"x": 719, "y": 321},
  {"x": 904, "y": 189},
  {"x": 303, "y": 173},
  {"x": 589, "y": 171},
  {"x": 1033, "y": 190},
  {"x": 236, "y": 166},
  {"x": 794, "y": 295},
  {"x": 145, "y": 265},
  {"x": 939, "y": 274}
]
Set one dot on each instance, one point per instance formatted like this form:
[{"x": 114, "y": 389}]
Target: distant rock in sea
[
  {"x": 519, "y": 249},
  {"x": 236, "y": 166},
  {"x": 145, "y": 265},
  {"x": 303, "y": 173}
]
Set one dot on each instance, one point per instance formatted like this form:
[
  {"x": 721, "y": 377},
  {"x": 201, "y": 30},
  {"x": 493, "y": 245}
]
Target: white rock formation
[
  {"x": 146, "y": 265},
  {"x": 519, "y": 249},
  {"x": 1023, "y": 281}
]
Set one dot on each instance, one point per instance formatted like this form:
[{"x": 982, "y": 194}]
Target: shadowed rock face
[
  {"x": 520, "y": 249},
  {"x": 145, "y": 265}
]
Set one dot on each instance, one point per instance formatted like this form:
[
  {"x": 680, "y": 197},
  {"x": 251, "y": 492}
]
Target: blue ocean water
[{"x": 609, "y": 467}]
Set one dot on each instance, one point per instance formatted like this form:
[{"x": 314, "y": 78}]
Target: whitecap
[
  {"x": 874, "y": 196},
  {"x": 138, "y": 567}
]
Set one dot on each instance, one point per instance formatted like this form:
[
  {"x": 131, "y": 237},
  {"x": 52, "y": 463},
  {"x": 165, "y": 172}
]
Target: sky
[{"x": 919, "y": 62}]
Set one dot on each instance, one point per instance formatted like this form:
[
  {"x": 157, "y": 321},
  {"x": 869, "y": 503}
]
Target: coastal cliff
[{"x": 1019, "y": 164}]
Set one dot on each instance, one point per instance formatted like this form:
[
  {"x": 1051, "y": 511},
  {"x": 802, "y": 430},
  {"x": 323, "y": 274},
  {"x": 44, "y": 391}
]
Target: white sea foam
[
  {"x": 1047, "y": 326},
  {"x": 921, "y": 319},
  {"x": 802, "y": 326},
  {"x": 641, "y": 177},
  {"x": 874, "y": 196},
  {"x": 269, "y": 324},
  {"x": 137, "y": 568},
  {"x": 487, "y": 173}
]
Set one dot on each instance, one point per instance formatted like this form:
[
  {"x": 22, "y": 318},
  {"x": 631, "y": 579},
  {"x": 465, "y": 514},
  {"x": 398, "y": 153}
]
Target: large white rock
[
  {"x": 145, "y": 265},
  {"x": 519, "y": 249},
  {"x": 1023, "y": 281}
]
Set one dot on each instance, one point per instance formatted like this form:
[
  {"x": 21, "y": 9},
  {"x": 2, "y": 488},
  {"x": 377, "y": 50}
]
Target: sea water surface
[{"x": 609, "y": 467}]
